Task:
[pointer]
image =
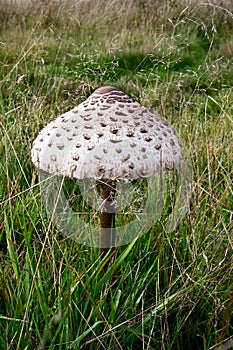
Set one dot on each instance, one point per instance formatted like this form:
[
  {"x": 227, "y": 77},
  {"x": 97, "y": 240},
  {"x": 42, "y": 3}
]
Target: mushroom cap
[{"x": 108, "y": 136}]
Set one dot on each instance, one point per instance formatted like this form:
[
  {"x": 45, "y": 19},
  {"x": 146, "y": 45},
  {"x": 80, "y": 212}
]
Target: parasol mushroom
[{"x": 107, "y": 137}]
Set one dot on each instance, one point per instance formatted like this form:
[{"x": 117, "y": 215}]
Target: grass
[{"x": 167, "y": 290}]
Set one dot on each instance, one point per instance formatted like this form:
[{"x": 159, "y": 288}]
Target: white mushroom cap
[{"x": 108, "y": 136}]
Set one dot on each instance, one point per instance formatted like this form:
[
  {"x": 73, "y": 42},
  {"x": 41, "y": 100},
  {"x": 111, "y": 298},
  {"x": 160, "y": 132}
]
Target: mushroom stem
[{"x": 107, "y": 216}]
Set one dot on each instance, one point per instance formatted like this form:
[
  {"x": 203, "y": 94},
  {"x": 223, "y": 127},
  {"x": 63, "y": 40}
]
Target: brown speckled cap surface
[{"x": 108, "y": 136}]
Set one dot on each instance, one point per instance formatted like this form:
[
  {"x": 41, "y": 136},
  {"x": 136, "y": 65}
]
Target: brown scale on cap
[
  {"x": 110, "y": 93},
  {"x": 105, "y": 89}
]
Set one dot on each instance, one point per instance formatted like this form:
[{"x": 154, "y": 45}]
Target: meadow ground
[{"x": 167, "y": 290}]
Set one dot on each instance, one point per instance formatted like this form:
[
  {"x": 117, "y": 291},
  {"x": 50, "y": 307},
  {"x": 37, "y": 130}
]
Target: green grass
[{"x": 166, "y": 290}]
